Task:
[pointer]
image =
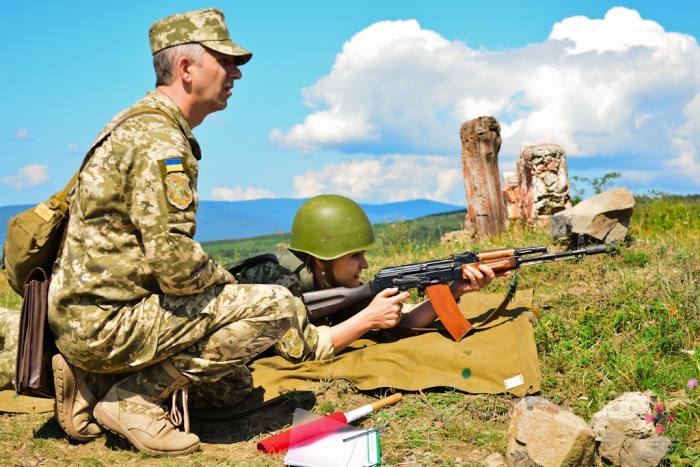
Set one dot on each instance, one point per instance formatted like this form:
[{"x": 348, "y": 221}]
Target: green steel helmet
[{"x": 330, "y": 226}]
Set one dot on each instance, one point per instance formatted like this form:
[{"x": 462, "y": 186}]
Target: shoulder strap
[
  {"x": 141, "y": 111},
  {"x": 280, "y": 255}
]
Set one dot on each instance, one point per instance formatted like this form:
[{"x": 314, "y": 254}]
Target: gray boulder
[
  {"x": 622, "y": 451},
  {"x": 625, "y": 415},
  {"x": 544, "y": 435},
  {"x": 495, "y": 460},
  {"x": 605, "y": 217}
]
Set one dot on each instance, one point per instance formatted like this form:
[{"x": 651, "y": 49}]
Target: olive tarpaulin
[{"x": 498, "y": 359}]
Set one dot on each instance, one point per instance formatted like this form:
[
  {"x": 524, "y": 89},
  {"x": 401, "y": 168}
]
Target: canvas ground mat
[
  {"x": 500, "y": 358},
  {"x": 12, "y": 402}
]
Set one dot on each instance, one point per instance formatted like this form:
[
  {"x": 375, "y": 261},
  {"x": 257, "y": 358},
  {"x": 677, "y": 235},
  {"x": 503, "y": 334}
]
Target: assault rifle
[{"x": 433, "y": 276}]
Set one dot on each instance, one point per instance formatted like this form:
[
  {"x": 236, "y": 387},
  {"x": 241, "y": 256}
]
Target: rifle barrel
[
  {"x": 530, "y": 250},
  {"x": 571, "y": 254}
]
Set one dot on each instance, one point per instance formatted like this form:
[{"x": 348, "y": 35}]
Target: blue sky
[{"x": 366, "y": 98}]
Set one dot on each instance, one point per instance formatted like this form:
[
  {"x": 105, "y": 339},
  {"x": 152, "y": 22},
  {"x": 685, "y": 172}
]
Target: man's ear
[{"x": 183, "y": 67}]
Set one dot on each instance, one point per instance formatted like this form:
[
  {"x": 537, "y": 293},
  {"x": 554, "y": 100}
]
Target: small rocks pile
[{"x": 543, "y": 434}]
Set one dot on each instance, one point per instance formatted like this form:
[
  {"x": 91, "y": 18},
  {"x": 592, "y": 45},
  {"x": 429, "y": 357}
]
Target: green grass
[{"x": 605, "y": 325}]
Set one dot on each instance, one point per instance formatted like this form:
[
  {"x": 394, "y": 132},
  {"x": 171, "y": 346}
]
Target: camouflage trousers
[
  {"x": 9, "y": 332},
  {"x": 208, "y": 337}
]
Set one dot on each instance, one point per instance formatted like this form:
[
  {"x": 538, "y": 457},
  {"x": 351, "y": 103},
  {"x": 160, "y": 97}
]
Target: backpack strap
[
  {"x": 280, "y": 255},
  {"x": 64, "y": 195},
  {"x": 141, "y": 111}
]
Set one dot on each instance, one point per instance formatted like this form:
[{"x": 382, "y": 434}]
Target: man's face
[{"x": 213, "y": 79}]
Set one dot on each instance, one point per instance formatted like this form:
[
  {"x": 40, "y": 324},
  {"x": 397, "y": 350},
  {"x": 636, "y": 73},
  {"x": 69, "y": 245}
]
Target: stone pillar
[
  {"x": 481, "y": 141},
  {"x": 543, "y": 182},
  {"x": 511, "y": 195}
]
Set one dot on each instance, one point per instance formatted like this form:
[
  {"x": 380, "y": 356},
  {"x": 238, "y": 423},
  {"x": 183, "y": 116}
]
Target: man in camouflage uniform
[{"x": 134, "y": 293}]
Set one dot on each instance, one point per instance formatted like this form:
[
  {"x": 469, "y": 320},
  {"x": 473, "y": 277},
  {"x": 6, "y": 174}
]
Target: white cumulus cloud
[
  {"x": 620, "y": 87},
  {"x": 22, "y": 134},
  {"x": 28, "y": 176},
  {"x": 385, "y": 179},
  {"x": 73, "y": 148},
  {"x": 239, "y": 194}
]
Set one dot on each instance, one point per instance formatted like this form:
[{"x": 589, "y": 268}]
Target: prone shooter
[{"x": 433, "y": 276}]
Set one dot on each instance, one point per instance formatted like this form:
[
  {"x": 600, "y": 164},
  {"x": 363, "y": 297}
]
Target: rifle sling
[{"x": 496, "y": 313}]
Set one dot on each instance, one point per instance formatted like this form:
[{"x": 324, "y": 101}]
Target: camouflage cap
[{"x": 205, "y": 27}]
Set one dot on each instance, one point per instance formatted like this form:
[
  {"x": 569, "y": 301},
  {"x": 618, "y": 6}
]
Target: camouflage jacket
[
  {"x": 279, "y": 266},
  {"x": 132, "y": 222}
]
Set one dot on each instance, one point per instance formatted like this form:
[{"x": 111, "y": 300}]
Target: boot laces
[{"x": 176, "y": 418}]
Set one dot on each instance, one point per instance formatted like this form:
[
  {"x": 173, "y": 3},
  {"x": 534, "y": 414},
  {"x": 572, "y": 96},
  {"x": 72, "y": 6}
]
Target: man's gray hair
[{"x": 164, "y": 60}]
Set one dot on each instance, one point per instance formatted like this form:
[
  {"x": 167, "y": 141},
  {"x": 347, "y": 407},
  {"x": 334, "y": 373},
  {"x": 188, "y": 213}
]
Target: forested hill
[{"x": 217, "y": 220}]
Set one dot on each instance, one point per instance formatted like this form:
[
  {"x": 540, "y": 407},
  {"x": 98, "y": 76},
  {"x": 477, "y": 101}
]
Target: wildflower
[
  {"x": 660, "y": 419},
  {"x": 692, "y": 383}
]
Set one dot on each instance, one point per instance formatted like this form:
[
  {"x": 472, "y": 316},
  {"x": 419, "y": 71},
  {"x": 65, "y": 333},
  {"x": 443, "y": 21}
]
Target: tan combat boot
[
  {"x": 77, "y": 392},
  {"x": 134, "y": 409}
]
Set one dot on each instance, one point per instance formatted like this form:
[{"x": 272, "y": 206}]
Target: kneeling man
[{"x": 139, "y": 311}]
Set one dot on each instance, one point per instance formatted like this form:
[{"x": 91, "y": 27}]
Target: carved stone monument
[
  {"x": 542, "y": 187},
  {"x": 481, "y": 141}
]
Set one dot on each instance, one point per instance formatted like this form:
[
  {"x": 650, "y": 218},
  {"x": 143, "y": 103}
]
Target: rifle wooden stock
[
  {"x": 489, "y": 255},
  {"x": 497, "y": 265},
  {"x": 322, "y": 303},
  {"x": 447, "y": 310}
]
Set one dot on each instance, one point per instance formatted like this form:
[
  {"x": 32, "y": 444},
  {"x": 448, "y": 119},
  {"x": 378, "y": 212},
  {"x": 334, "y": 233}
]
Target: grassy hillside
[
  {"x": 419, "y": 232},
  {"x": 605, "y": 325}
]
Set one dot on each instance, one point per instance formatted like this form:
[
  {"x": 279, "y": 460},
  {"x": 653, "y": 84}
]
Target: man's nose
[{"x": 234, "y": 72}]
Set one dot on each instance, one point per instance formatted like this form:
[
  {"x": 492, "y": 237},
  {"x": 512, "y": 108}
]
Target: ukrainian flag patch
[{"x": 174, "y": 165}]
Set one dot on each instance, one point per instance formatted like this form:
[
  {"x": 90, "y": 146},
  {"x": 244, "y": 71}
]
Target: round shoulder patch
[
  {"x": 177, "y": 190},
  {"x": 292, "y": 343}
]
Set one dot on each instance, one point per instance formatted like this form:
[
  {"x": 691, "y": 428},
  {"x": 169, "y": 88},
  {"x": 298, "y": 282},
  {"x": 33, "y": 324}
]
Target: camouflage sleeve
[
  {"x": 166, "y": 220},
  {"x": 303, "y": 341}
]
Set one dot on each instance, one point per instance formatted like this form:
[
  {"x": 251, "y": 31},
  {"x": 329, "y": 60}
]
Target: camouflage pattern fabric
[
  {"x": 225, "y": 392},
  {"x": 9, "y": 334},
  {"x": 133, "y": 287},
  {"x": 206, "y": 27},
  {"x": 304, "y": 340}
]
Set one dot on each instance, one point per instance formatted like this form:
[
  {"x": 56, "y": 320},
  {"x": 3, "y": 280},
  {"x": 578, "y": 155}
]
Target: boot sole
[
  {"x": 113, "y": 425},
  {"x": 65, "y": 396}
]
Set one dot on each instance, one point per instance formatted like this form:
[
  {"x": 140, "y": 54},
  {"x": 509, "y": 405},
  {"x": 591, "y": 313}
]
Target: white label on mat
[{"x": 514, "y": 382}]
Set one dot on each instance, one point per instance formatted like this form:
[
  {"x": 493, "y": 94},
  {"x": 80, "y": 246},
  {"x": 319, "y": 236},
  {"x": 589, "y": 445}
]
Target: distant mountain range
[{"x": 220, "y": 220}]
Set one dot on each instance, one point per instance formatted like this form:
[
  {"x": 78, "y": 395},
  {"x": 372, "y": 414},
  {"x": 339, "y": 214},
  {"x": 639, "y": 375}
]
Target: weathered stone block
[
  {"x": 623, "y": 451},
  {"x": 605, "y": 217},
  {"x": 545, "y": 435},
  {"x": 625, "y": 415}
]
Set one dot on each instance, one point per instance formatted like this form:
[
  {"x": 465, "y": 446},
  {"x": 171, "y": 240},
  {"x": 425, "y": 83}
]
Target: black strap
[{"x": 496, "y": 313}]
